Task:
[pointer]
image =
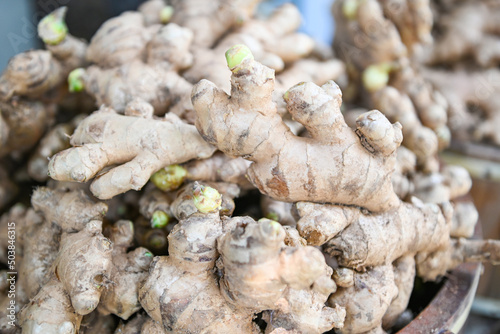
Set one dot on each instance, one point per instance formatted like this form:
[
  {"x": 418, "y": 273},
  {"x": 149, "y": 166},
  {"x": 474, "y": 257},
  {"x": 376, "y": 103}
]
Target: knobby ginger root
[
  {"x": 50, "y": 311},
  {"x": 361, "y": 240},
  {"x": 57, "y": 211},
  {"x": 83, "y": 266},
  {"x": 273, "y": 41},
  {"x": 404, "y": 276},
  {"x": 128, "y": 270},
  {"x": 277, "y": 210},
  {"x": 406, "y": 164},
  {"x": 26, "y": 122},
  {"x": 371, "y": 46},
  {"x": 209, "y": 21},
  {"x": 120, "y": 40},
  {"x": 183, "y": 285},
  {"x": 297, "y": 295},
  {"x": 219, "y": 168},
  {"x": 154, "y": 79},
  {"x": 162, "y": 207},
  {"x": 469, "y": 95},
  {"x": 471, "y": 29},
  {"x": 451, "y": 183},
  {"x": 23, "y": 217},
  {"x": 67, "y": 49},
  {"x": 431, "y": 265},
  {"x": 8, "y": 189},
  {"x": 413, "y": 19},
  {"x": 33, "y": 74},
  {"x": 156, "y": 12},
  {"x": 363, "y": 35},
  {"x": 419, "y": 139},
  {"x": 181, "y": 291},
  {"x": 56, "y": 140},
  {"x": 376, "y": 288},
  {"x": 141, "y": 145},
  {"x": 291, "y": 168},
  {"x": 30, "y": 74},
  {"x": 185, "y": 204},
  {"x": 465, "y": 218},
  {"x": 395, "y": 239},
  {"x": 155, "y": 205}
]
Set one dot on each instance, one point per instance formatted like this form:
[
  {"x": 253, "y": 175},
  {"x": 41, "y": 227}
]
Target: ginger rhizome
[
  {"x": 145, "y": 68},
  {"x": 287, "y": 167},
  {"x": 120, "y": 295},
  {"x": 473, "y": 100},
  {"x": 387, "y": 70},
  {"x": 277, "y": 212},
  {"x": 469, "y": 30},
  {"x": 183, "y": 285},
  {"x": 150, "y": 144},
  {"x": 36, "y": 73}
]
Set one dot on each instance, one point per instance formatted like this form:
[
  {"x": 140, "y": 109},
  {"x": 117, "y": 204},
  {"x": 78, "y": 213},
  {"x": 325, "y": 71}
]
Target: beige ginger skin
[
  {"x": 150, "y": 144},
  {"x": 291, "y": 168}
]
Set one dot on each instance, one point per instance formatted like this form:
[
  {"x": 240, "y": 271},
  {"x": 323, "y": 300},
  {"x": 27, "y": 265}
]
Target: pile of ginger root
[{"x": 198, "y": 168}]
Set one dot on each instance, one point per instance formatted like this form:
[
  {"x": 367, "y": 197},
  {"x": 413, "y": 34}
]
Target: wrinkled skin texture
[
  {"x": 128, "y": 271},
  {"x": 296, "y": 296},
  {"x": 404, "y": 276},
  {"x": 274, "y": 42},
  {"x": 361, "y": 240},
  {"x": 30, "y": 74},
  {"x": 24, "y": 124},
  {"x": 291, "y": 168},
  {"x": 470, "y": 30},
  {"x": 83, "y": 265},
  {"x": 474, "y": 102},
  {"x": 141, "y": 145},
  {"x": 210, "y": 20},
  {"x": 219, "y": 168},
  {"x": 50, "y": 311},
  {"x": 368, "y": 39},
  {"x": 376, "y": 288},
  {"x": 118, "y": 86}
]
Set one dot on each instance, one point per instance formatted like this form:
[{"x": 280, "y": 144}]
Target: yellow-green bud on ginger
[
  {"x": 206, "y": 199},
  {"x": 169, "y": 178},
  {"x": 75, "y": 80},
  {"x": 159, "y": 219},
  {"x": 376, "y": 77},
  {"x": 52, "y": 29},
  {"x": 350, "y": 9},
  {"x": 166, "y": 14},
  {"x": 273, "y": 216},
  {"x": 236, "y": 55},
  {"x": 270, "y": 226}
]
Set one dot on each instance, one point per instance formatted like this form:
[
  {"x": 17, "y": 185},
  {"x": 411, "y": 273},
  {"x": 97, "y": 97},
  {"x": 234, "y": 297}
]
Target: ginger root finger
[
  {"x": 291, "y": 168},
  {"x": 141, "y": 145}
]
